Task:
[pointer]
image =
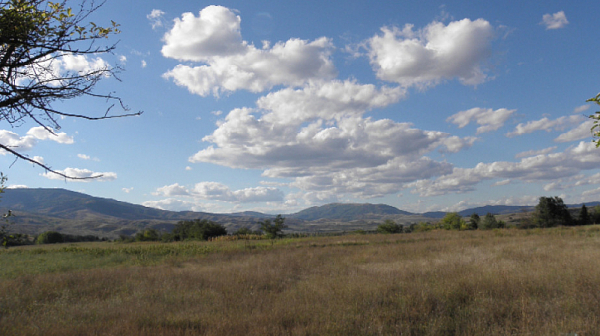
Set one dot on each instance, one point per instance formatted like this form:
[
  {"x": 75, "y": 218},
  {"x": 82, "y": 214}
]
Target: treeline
[
  {"x": 550, "y": 212},
  {"x": 206, "y": 230},
  {"x": 48, "y": 237},
  {"x": 183, "y": 230}
]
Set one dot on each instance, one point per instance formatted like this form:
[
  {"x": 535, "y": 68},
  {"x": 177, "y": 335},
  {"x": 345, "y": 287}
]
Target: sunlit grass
[{"x": 504, "y": 282}]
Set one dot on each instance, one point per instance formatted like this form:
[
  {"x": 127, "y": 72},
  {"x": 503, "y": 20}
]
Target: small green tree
[
  {"x": 584, "y": 217},
  {"x": 423, "y": 227},
  {"x": 474, "y": 222},
  {"x": 198, "y": 229},
  {"x": 595, "y": 218},
  {"x": 551, "y": 211},
  {"x": 147, "y": 235},
  {"x": 273, "y": 229},
  {"x": 389, "y": 226},
  {"x": 452, "y": 221},
  {"x": 49, "y": 237},
  {"x": 243, "y": 231},
  {"x": 490, "y": 222}
]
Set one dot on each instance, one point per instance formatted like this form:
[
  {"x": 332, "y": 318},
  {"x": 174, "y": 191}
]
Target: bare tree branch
[
  {"x": 37, "y": 37},
  {"x": 28, "y": 159}
]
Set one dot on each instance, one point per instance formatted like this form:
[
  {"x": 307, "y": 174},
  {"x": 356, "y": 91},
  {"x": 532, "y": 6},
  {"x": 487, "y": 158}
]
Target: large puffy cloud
[
  {"x": 437, "y": 52},
  {"x": 489, "y": 119},
  {"x": 317, "y": 137},
  {"x": 27, "y": 142},
  {"x": 543, "y": 167},
  {"x": 216, "y": 191},
  {"x": 229, "y": 63},
  {"x": 83, "y": 175}
]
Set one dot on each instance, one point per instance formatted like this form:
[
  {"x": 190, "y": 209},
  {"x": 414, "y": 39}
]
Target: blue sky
[{"x": 276, "y": 106}]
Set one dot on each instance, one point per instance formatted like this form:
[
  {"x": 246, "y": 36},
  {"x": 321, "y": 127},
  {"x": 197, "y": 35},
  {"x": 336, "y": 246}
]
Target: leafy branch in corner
[{"x": 39, "y": 42}]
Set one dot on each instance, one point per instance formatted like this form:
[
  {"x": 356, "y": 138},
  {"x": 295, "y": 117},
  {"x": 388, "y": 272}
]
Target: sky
[{"x": 276, "y": 106}]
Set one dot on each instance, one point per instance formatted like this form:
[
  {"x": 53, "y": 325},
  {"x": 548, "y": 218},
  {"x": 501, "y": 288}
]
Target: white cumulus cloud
[
  {"x": 229, "y": 63},
  {"x": 156, "y": 18},
  {"x": 317, "y": 136},
  {"x": 582, "y": 131},
  {"x": 543, "y": 167},
  {"x": 534, "y": 152},
  {"x": 27, "y": 142},
  {"x": 435, "y": 53},
  {"x": 84, "y": 175},
  {"x": 489, "y": 119},
  {"x": 555, "y": 21},
  {"x": 546, "y": 124},
  {"x": 220, "y": 192}
]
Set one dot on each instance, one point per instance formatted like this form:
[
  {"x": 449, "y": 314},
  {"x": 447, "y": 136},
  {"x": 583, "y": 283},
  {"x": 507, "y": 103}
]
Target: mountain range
[{"x": 38, "y": 210}]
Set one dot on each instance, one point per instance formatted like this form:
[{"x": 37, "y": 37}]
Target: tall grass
[{"x": 506, "y": 282}]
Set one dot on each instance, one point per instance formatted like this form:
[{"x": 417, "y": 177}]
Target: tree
[
  {"x": 198, "y": 229},
  {"x": 596, "y": 215},
  {"x": 147, "y": 235},
  {"x": 8, "y": 239},
  {"x": 389, "y": 226},
  {"x": 596, "y": 117},
  {"x": 584, "y": 217},
  {"x": 273, "y": 229},
  {"x": 551, "y": 211},
  {"x": 38, "y": 41},
  {"x": 474, "y": 222},
  {"x": 452, "y": 221},
  {"x": 490, "y": 222},
  {"x": 49, "y": 237}
]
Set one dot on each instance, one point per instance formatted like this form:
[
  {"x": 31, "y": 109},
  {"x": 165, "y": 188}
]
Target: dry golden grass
[{"x": 508, "y": 282}]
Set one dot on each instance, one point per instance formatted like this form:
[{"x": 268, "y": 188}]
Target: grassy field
[{"x": 503, "y": 282}]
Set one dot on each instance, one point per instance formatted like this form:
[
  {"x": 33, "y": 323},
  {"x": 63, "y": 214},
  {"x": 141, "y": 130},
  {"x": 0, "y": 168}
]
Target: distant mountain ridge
[
  {"x": 347, "y": 211},
  {"x": 67, "y": 204},
  {"x": 37, "y": 210}
]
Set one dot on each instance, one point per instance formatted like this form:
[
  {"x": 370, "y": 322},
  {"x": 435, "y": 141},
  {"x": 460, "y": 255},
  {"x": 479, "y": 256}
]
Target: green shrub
[
  {"x": 49, "y": 237},
  {"x": 389, "y": 226},
  {"x": 197, "y": 229},
  {"x": 453, "y": 221},
  {"x": 422, "y": 227},
  {"x": 273, "y": 229}
]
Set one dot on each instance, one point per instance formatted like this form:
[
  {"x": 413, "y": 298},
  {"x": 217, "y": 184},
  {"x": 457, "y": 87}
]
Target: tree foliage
[
  {"x": 452, "y": 221},
  {"x": 197, "y": 229},
  {"x": 7, "y": 238},
  {"x": 474, "y": 222},
  {"x": 273, "y": 229},
  {"x": 49, "y": 237},
  {"x": 39, "y": 43},
  {"x": 147, "y": 235},
  {"x": 584, "y": 217},
  {"x": 595, "y": 217},
  {"x": 551, "y": 211},
  {"x": 490, "y": 222},
  {"x": 389, "y": 226},
  {"x": 596, "y": 117}
]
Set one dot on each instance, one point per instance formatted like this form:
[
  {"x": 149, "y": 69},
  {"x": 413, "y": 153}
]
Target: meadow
[{"x": 496, "y": 282}]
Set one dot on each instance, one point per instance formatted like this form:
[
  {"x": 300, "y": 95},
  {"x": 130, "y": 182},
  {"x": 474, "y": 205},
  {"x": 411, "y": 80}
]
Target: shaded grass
[{"x": 508, "y": 282}]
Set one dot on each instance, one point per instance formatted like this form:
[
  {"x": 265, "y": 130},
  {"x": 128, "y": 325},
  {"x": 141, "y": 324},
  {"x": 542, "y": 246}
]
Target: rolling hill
[
  {"x": 348, "y": 212},
  {"x": 38, "y": 210}
]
